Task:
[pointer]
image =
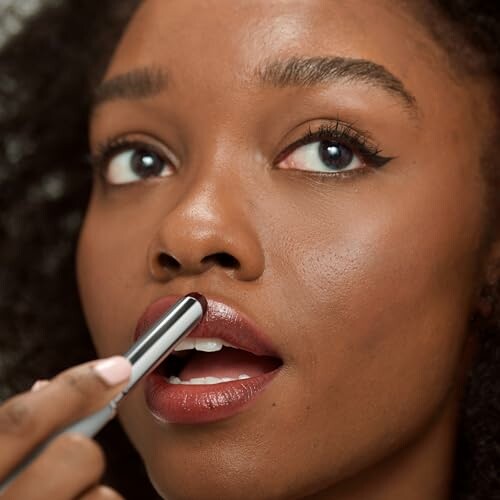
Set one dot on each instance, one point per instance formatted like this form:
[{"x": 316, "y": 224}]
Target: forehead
[
  {"x": 230, "y": 38},
  {"x": 211, "y": 50}
]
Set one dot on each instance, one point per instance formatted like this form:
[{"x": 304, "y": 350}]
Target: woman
[{"x": 328, "y": 182}]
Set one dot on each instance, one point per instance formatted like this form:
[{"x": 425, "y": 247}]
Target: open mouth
[
  {"x": 215, "y": 372},
  {"x": 209, "y": 361}
]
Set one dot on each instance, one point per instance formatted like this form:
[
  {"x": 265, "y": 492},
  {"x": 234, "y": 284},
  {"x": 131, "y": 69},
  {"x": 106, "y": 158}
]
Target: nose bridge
[
  {"x": 209, "y": 206},
  {"x": 210, "y": 225},
  {"x": 217, "y": 192}
]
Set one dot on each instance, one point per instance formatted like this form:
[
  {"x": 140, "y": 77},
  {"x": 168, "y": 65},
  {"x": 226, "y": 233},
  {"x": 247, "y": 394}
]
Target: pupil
[
  {"x": 146, "y": 164},
  {"x": 334, "y": 155}
]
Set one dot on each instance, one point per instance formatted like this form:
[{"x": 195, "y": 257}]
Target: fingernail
[
  {"x": 39, "y": 384},
  {"x": 113, "y": 371}
]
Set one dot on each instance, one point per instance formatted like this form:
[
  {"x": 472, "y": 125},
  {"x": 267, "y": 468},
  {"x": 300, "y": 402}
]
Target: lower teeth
[{"x": 205, "y": 380}]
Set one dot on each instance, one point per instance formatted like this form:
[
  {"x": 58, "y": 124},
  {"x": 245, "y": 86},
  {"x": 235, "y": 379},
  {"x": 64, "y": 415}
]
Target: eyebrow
[
  {"x": 312, "y": 71},
  {"x": 139, "y": 83},
  {"x": 147, "y": 82}
]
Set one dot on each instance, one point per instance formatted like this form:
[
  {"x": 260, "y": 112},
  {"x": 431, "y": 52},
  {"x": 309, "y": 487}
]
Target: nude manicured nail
[
  {"x": 39, "y": 384},
  {"x": 113, "y": 371}
]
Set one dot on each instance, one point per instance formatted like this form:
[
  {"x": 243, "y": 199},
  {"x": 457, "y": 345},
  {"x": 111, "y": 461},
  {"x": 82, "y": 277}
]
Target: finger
[
  {"x": 28, "y": 419},
  {"x": 40, "y": 384},
  {"x": 69, "y": 466},
  {"x": 101, "y": 493}
]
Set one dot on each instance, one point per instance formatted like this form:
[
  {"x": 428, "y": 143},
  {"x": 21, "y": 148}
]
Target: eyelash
[
  {"x": 345, "y": 134},
  {"x": 338, "y": 131}
]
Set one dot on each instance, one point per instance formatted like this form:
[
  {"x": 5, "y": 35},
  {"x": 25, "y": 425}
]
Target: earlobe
[
  {"x": 489, "y": 293},
  {"x": 486, "y": 302},
  {"x": 492, "y": 271}
]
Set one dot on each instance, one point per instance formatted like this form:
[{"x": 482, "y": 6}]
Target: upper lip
[{"x": 220, "y": 321}]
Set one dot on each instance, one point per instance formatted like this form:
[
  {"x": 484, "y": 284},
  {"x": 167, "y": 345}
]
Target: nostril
[
  {"x": 222, "y": 259},
  {"x": 168, "y": 262}
]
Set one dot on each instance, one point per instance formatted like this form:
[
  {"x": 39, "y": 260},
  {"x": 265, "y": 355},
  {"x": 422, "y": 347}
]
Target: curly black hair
[{"x": 47, "y": 72}]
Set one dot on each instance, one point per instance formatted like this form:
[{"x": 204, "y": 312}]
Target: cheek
[
  {"x": 111, "y": 266},
  {"x": 388, "y": 286}
]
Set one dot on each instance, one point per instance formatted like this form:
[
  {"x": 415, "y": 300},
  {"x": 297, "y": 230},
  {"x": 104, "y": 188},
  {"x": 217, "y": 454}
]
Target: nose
[{"x": 209, "y": 228}]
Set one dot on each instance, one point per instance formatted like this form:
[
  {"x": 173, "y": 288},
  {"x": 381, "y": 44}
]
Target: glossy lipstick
[{"x": 197, "y": 403}]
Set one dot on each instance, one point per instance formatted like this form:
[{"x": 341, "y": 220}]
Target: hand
[{"x": 71, "y": 465}]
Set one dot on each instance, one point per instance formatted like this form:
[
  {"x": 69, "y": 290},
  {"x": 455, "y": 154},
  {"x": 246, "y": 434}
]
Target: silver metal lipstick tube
[{"x": 152, "y": 348}]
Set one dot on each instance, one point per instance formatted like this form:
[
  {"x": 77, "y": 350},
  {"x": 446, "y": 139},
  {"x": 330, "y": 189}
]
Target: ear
[
  {"x": 492, "y": 264},
  {"x": 488, "y": 289},
  {"x": 490, "y": 280}
]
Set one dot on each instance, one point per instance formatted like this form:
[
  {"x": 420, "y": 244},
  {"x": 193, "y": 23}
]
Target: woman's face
[{"x": 314, "y": 167}]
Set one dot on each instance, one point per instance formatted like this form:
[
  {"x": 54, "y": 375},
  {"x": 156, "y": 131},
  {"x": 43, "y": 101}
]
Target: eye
[
  {"x": 334, "y": 148},
  {"x": 135, "y": 164},
  {"x": 126, "y": 160},
  {"x": 322, "y": 156}
]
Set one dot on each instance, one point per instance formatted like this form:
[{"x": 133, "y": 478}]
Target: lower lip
[{"x": 198, "y": 404}]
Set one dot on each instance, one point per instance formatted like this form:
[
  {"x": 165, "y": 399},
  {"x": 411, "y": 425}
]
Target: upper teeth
[
  {"x": 206, "y": 380},
  {"x": 205, "y": 345}
]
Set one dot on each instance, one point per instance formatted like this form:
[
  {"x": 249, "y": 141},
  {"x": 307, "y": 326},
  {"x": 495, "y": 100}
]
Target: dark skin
[
  {"x": 364, "y": 280},
  {"x": 30, "y": 418}
]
